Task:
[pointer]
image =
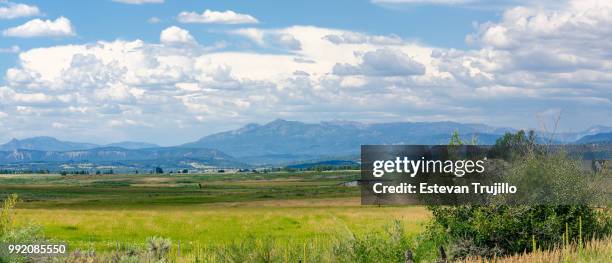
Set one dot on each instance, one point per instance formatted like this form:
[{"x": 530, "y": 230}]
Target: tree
[
  {"x": 512, "y": 145},
  {"x": 499, "y": 229},
  {"x": 159, "y": 170}
]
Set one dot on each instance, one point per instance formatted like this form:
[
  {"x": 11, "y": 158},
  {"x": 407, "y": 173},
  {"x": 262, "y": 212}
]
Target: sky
[{"x": 170, "y": 72}]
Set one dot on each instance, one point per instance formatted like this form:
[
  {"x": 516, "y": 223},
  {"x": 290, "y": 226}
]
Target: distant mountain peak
[
  {"x": 599, "y": 128},
  {"x": 604, "y": 137},
  {"x": 48, "y": 143},
  {"x": 280, "y": 122},
  {"x": 246, "y": 128},
  {"x": 295, "y": 139},
  {"x": 44, "y": 143}
]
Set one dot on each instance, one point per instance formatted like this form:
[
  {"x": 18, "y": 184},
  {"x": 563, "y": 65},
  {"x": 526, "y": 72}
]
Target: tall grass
[
  {"x": 387, "y": 246},
  {"x": 597, "y": 250},
  {"x": 383, "y": 248},
  {"x": 6, "y": 216}
]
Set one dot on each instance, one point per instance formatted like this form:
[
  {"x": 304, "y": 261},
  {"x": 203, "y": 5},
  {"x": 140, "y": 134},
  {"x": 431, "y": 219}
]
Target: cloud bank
[{"x": 531, "y": 61}]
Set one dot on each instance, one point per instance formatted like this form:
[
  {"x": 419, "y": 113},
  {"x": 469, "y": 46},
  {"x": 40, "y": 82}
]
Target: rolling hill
[
  {"x": 170, "y": 157},
  {"x": 596, "y": 138},
  {"x": 45, "y": 143}
]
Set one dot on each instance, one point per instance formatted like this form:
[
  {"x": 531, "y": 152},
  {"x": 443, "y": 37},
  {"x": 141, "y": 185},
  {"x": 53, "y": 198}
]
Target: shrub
[
  {"x": 557, "y": 209},
  {"x": 562, "y": 196},
  {"x": 158, "y": 247},
  {"x": 502, "y": 230},
  {"x": 390, "y": 247},
  {"x": 9, "y": 234},
  {"x": 6, "y": 217}
]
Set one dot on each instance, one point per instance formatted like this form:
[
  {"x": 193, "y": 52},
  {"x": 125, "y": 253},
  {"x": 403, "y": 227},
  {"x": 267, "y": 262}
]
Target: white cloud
[
  {"x": 175, "y": 35},
  {"x": 272, "y": 38},
  {"x": 334, "y": 74},
  {"x": 139, "y": 2},
  {"x": 382, "y": 62},
  {"x": 7, "y": 93},
  {"x": 475, "y": 4},
  {"x": 60, "y": 27},
  {"x": 10, "y": 10},
  {"x": 359, "y": 38},
  {"x": 254, "y": 34},
  {"x": 216, "y": 17}
]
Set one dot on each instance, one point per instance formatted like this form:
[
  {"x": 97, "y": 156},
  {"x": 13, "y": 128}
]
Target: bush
[
  {"x": 158, "y": 248},
  {"x": 501, "y": 230},
  {"x": 9, "y": 234},
  {"x": 6, "y": 217},
  {"x": 373, "y": 248},
  {"x": 561, "y": 195},
  {"x": 558, "y": 208}
]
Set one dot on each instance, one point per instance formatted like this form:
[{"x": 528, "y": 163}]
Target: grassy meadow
[
  {"x": 102, "y": 212},
  {"x": 248, "y": 217}
]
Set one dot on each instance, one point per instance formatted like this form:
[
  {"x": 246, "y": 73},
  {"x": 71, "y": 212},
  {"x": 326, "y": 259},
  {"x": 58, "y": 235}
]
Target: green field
[{"x": 103, "y": 211}]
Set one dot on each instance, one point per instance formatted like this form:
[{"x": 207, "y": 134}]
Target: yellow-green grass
[
  {"x": 593, "y": 251},
  {"x": 293, "y": 221},
  {"x": 137, "y": 191},
  {"x": 104, "y": 211}
]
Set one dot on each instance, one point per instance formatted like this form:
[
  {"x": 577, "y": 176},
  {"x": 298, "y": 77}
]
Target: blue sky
[
  {"x": 105, "y": 70},
  {"x": 95, "y": 20}
]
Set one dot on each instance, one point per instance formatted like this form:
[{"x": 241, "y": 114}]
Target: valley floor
[{"x": 102, "y": 212}]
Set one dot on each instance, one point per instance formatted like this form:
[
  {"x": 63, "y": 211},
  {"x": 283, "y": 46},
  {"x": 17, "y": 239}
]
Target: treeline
[
  {"x": 319, "y": 168},
  {"x": 7, "y": 171}
]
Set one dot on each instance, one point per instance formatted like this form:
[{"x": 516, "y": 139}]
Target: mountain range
[
  {"x": 277, "y": 142},
  {"x": 292, "y": 140},
  {"x": 143, "y": 158},
  {"x": 596, "y": 138},
  {"x": 45, "y": 143}
]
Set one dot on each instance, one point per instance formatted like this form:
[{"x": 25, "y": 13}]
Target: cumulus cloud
[
  {"x": 175, "y": 35},
  {"x": 359, "y": 38},
  {"x": 315, "y": 73},
  {"x": 216, "y": 17},
  {"x": 476, "y": 4},
  {"x": 10, "y": 10},
  {"x": 382, "y": 62},
  {"x": 254, "y": 34},
  {"x": 60, "y": 27},
  {"x": 576, "y": 37},
  {"x": 270, "y": 37},
  {"x": 139, "y": 2},
  {"x": 24, "y": 98}
]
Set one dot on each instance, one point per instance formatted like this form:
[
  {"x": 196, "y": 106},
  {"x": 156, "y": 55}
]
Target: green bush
[
  {"x": 501, "y": 230},
  {"x": 557, "y": 210},
  {"x": 9, "y": 234}
]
